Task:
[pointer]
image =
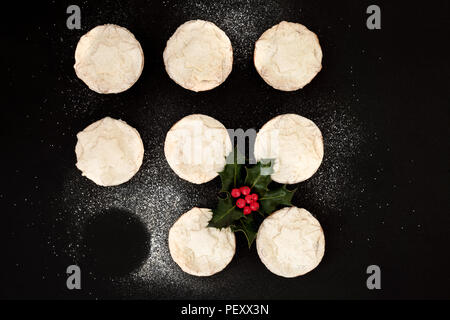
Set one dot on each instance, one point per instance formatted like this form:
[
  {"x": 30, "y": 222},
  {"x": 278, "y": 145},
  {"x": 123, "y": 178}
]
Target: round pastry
[
  {"x": 290, "y": 242},
  {"x": 109, "y": 152},
  {"x": 294, "y": 143},
  {"x": 198, "y": 56},
  {"x": 196, "y": 148},
  {"x": 288, "y": 56},
  {"x": 109, "y": 59},
  {"x": 198, "y": 249}
]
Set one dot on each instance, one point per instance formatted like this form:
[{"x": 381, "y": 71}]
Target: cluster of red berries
[{"x": 249, "y": 202}]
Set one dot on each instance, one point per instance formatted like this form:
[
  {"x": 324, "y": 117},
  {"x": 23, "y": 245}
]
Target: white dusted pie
[
  {"x": 109, "y": 59},
  {"x": 200, "y": 250},
  {"x": 294, "y": 143},
  {"x": 196, "y": 148},
  {"x": 109, "y": 152},
  {"x": 288, "y": 56},
  {"x": 290, "y": 242},
  {"x": 198, "y": 56}
]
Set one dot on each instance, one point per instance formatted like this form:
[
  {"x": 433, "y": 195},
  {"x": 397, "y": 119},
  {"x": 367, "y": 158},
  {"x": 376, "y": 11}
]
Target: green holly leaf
[
  {"x": 225, "y": 214},
  {"x": 248, "y": 226},
  {"x": 258, "y": 176},
  {"x": 276, "y": 198},
  {"x": 231, "y": 175}
]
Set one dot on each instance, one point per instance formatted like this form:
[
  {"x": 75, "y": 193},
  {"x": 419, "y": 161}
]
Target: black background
[{"x": 381, "y": 194}]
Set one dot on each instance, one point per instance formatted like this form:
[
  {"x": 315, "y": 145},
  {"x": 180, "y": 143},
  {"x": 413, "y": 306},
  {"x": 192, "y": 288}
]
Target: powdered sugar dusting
[
  {"x": 155, "y": 196},
  {"x": 242, "y": 21}
]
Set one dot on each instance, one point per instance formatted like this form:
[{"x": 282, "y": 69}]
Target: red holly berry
[
  {"x": 240, "y": 203},
  {"x": 235, "y": 193},
  {"x": 254, "y": 206},
  {"x": 247, "y": 210},
  {"x": 248, "y": 198},
  {"x": 254, "y": 197},
  {"x": 245, "y": 190}
]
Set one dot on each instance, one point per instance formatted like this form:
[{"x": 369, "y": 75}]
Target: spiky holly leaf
[
  {"x": 248, "y": 226},
  {"x": 225, "y": 214},
  {"x": 258, "y": 177},
  {"x": 276, "y": 198},
  {"x": 231, "y": 175}
]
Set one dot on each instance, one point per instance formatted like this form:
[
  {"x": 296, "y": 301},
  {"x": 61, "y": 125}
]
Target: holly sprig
[{"x": 257, "y": 178}]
